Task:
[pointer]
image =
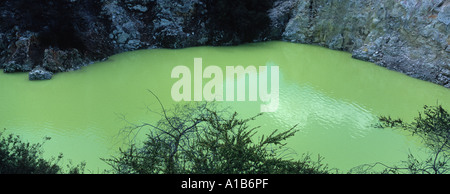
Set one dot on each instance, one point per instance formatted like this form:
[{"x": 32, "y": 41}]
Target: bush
[
  {"x": 201, "y": 140},
  {"x": 18, "y": 157},
  {"x": 433, "y": 128}
]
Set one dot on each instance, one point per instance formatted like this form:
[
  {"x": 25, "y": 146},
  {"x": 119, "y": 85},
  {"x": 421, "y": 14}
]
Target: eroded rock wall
[
  {"x": 409, "y": 36},
  {"x": 63, "y": 35}
]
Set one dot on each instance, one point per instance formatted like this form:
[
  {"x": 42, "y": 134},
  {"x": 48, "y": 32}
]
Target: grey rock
[
  {"x": 125, "y": 25},
  {"x": 39, "y": 73},
  {"x": 279, "y": 16},
  {"x": 337, "y": 42},
  {"x": 135, "y": 44},
  {"x": 20, "y": 54},
  {"x": 123, "y": 37},
  {"x": 57, "y": 60},
  {"x": 444, "y": 14},
  {"x": 140, "y": 8},
  {"x": 405, "y": 36}
]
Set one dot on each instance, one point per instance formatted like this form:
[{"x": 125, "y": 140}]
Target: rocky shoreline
[{"x": 46, "y": 37}]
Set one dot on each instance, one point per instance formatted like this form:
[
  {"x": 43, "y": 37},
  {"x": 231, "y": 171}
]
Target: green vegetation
[
  {"x": 18, "y": 157},
  {"x": 433, "y": 128},
  {"x": 201, "y": 140}
]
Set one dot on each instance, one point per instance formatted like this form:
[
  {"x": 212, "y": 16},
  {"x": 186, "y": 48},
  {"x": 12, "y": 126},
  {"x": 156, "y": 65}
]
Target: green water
[{"x": 333, "y": 98}]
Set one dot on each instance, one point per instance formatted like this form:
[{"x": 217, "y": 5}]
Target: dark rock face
[
  {"x": 409, "y": 36},
  {"x": 235, "y": 22},
  {"x": 22, "y": 54},
  {"x": 63, "y": 35},
  {"x": 57, "y": 60},
  {"x": 31, "y": 29}
]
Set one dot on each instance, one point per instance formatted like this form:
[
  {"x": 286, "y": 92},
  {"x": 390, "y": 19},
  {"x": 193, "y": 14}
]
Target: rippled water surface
[{"x": 333, "y": 98}]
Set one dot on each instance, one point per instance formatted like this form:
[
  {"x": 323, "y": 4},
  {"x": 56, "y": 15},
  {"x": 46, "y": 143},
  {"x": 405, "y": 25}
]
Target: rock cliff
[{"x": 409, "y": 36}]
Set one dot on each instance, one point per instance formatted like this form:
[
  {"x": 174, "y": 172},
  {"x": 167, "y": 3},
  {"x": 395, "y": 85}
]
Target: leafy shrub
[
  {"x": 433, "y": 129},
  {"x": 18, "y": 157},
  {"x": 202, "y": 140}
]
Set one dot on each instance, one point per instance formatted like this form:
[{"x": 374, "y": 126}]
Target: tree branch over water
[
  {"x": 433, "y": 128},
  {"x": 200, "y": 138}
]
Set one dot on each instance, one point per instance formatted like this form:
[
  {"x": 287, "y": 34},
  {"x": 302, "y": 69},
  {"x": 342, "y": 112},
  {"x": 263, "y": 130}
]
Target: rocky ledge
[
  {"x": 39, "y": 73},
  {"x": 49, "y": 36}
]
